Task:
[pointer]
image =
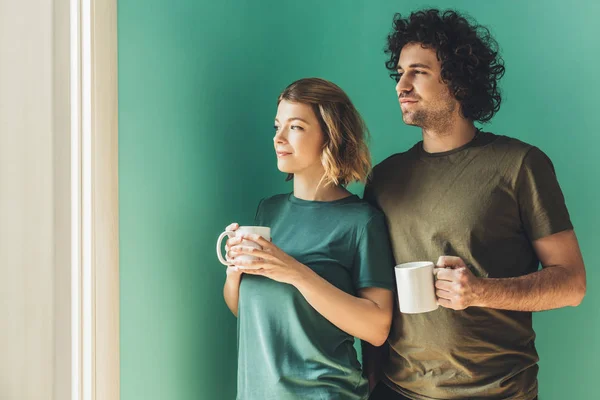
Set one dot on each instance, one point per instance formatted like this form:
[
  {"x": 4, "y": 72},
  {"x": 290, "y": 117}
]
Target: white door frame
[{"x": 94, "y": 215}]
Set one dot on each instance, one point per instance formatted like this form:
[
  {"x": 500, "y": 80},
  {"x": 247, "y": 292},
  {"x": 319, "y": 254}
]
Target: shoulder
[
  {"x": 275, "y": 199},
  {"x": 390, "y": 165},
  {"x": 396, "y": 158},
  {"x": 273, "y": 202},
  {"x": 364, "y": 214},
  {"x": 520, "y": 153},
  {"x": 517, "y": 148},
  {"x": 511, "y": 144}
]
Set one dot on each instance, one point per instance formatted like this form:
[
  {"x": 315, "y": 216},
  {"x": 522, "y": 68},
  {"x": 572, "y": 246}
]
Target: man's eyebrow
[{"x": 416, "y": 65}]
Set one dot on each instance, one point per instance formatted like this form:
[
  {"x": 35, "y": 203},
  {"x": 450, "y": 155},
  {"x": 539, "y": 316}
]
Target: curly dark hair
[{"x": 471, "y": 65}]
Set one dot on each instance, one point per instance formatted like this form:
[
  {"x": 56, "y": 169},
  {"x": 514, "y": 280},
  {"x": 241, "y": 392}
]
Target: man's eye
[{"x": 396, "y": 76}]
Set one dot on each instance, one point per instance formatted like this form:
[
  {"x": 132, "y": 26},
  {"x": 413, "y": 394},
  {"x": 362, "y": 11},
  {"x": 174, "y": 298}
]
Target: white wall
[{"x": 34, "y": 201}]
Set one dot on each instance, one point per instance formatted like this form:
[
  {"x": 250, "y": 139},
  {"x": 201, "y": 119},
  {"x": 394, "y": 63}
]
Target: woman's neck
[{"x": 310, "y": 188}]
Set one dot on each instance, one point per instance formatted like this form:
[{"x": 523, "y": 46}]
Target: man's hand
[{"x": 456, "y": 286}]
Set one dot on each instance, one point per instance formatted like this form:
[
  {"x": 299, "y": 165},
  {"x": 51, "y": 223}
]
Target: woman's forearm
[
  {"x": 231, "y": 291},
  {"x": 361, "y": 318}
]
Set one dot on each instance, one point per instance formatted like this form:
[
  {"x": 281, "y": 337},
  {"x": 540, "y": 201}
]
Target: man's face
[{"x": 424, "y": 99}]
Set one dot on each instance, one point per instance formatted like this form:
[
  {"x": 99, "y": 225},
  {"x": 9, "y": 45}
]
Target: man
[{"x": 487, "y": 208}]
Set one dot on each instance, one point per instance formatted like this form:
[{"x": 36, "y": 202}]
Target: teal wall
[{"x": 198, "y": 81}]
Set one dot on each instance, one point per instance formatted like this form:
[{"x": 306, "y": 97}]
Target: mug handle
[{"x": 219, "y": 241}]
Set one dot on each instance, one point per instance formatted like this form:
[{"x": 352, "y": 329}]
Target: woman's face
[{"x": 298, "y": 139}]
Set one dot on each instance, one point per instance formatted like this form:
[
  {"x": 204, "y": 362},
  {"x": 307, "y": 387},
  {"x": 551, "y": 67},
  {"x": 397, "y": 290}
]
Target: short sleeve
[
  {"x": 540, "y": 198},
  {"x": 374, "y": 262}
]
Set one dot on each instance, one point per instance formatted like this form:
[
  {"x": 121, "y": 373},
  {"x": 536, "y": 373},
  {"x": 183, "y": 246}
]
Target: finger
[
  {"x": 234, "y": 241},
  {"x": 443, "y": 294},
  {"x": 241, "y": 249},
  {"x": 444, "y": 303},
  {"x": 231, "y": 253},
  {"x": 253, "y": 251},
  {"x": 259, "y": 271},
  {"x": 232, "y": 227},
  {"x": 236, "y": 247},
  {"x": 450, "y": 262},
  {"x": 261, "y": 241},
  {"x": 249, "y": 264},
  {"x": 229, "y": 256},
  {"x": 443, "y": 285},
  {"x": 444, "y": 274}
]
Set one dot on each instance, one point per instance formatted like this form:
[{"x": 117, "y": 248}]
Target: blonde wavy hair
[{"x": 345, "y": 155}]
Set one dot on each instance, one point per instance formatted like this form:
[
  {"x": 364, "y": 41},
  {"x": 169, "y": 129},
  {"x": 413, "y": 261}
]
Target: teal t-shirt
[{"x": 287, "y": 350}]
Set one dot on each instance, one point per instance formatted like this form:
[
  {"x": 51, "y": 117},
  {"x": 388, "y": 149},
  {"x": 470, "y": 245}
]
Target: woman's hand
[
  {"x": 270, "y": 261},
  {"x": 231, "y": 289},
  {"x": 367, "y": 317},
  {"x": 232, "y": 271}
]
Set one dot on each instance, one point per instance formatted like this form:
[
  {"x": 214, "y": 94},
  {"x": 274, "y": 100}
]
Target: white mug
[
  {"x": 416, "y": 287},
  {"x": 263, "y": 231}
]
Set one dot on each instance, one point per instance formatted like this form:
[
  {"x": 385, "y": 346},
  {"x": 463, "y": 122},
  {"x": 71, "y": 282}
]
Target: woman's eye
[
  {"x": 276, "y": 128},
  {"x": 297, "y": 127}
]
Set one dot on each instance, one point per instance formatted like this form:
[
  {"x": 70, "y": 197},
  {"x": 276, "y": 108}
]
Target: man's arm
[{"x": 560, "y": 283}]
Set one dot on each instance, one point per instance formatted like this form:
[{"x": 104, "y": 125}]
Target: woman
[{"x": 327, "y": 275}]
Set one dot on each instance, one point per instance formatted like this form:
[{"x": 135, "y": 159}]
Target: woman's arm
[
  {"x": 231, "y": 289},
  {"x": 367, "y": 317}
]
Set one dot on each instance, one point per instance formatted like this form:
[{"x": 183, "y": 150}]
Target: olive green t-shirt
[
  {"x": 485, "y": 202},
  {"x": 287, "y": 350}
]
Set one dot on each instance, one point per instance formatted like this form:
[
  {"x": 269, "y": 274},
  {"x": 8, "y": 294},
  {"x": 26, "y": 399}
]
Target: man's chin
[{"x": 408, "y": 120}]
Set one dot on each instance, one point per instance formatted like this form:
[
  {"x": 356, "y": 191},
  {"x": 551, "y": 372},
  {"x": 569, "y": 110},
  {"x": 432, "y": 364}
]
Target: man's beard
[{"x": 437, "y": 119}]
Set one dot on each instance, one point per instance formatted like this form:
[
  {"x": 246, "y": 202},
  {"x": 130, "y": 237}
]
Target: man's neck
[{"x": 451, "y": 137}]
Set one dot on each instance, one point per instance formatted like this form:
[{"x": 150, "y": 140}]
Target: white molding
[
  {"x": 27, "y": 203},
  {"x": 61, "y": 110},
  {"x": 76, "y": 264},
  {"x": 94, "y": 156},
  {"x": 59, "y": 264},
  {"x": 105, "y": 198}
]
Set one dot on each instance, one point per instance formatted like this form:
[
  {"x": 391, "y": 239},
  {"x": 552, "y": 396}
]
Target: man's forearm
[{"x": 552, "y": 287}]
